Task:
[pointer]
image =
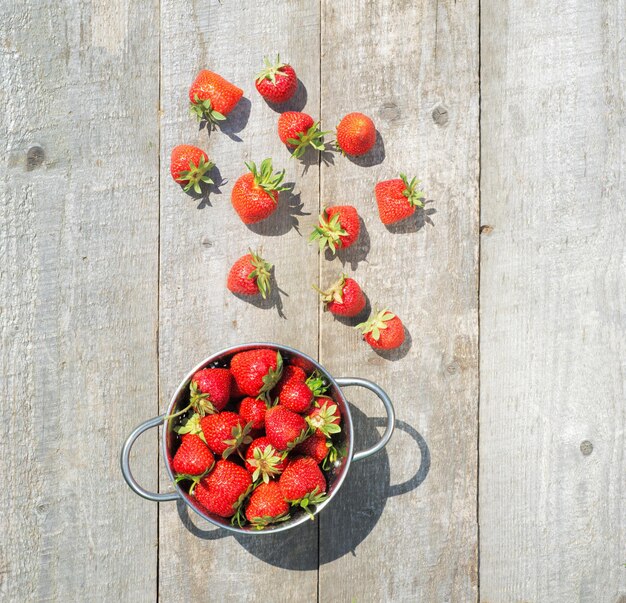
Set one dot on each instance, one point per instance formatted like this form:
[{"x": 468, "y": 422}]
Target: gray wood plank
[
  {"x": 78, "y": 313},
  {"x": 553, "y": 338},
  {"x": 198, "y": 245},
  {"x": 414, "y": 69}
]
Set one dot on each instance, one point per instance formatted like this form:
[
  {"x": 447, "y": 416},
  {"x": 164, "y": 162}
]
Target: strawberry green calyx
[
  {"x": 315, "y": 497},
  {"x": 335, "y": 292},
  {"x": 196, "y": 174},
  {"x": 304, "y": 434},
  {"x": 334, "y": 454},
  {"x": 266, "y": 178},
  {"x": 194, "y": 479},
  {"x": 271, "y": 70},
  {"x": 240, "y": 438},
  {"x": 200, "y": 402},
  {"x": 412, "y": 193},
  {"x": 328, "y": 232},
  {"x": 266, "y": 463},
  {"x": 376, "y": 323},
  {"x": 191, "y": 425},
  {"x": 325, "y": 420},
  {"x": 239, "y": 517},
  {"x": 317, "y": 384},
  {"x": 203, "y": 110},
  {"x": 272, "y": 378},
  {"x": 260, "y": 523},
  {"x": 262, "y": 273},
  {"x": 313, "y": 137}
]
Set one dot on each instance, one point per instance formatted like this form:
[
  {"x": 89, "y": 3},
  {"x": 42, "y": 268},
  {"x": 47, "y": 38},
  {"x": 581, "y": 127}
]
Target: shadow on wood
[
  {"x": 350, "y": 516},
  {"x": 296, "y": 103},
  {"x": 284, "y": 218},
  {"x": 374, "y": 157},
  {"x": 414, "y": 222},
  {"x": 356, "y": 253},
  {"x": 235, "y": 121},
  {"x": 273, "y": 301}
]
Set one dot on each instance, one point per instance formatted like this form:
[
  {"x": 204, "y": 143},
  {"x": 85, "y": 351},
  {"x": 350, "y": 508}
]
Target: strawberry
[
  {"x": 255, "y": 194},
  {"x": 290, "y": 373},
  {"x": 193, "y": 457},
  {"x": 339, "y": 226},
  {"x": 225, "y": 432},
  {"x": 191, "y": 427},
  {"x": 189, "y": 166},
  {"x": 306, "y": 365},
  {"x": 250, "y": 275},
  {"x": 296, "y": 396},
  {"x": 263, "y": 460},
  {"x": 212, "y": 97},
  {"x": 317, "y": 447},
  {"x": 324, "y": 417},
  {"x": 224, "y": 490},
  {"x": 343, "y": 298},
  {"x": 356, "y": 134},
  {"x": 256, "y": 371},
  {"x": 252, "y": 410},
  {"x": 397, "y": 199},
  {"x": 284, "y": 428},
  {"x": 383, "y": 330},
  {"x": 298, "y": 131},
  {"x": 235, "y": 392},
  {"x": 277, "y": 83},
  {"x": 266, "y": 506},
  {"x": 210, "y": 390},
  {"x": 303, "y": 484},
  {"x": 317, "y": 383}
]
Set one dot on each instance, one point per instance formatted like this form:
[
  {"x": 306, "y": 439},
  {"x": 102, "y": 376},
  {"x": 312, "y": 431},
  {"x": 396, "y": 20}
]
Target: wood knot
[
  {"x": 586, "y": 447},
  {"x": 34, "y": 157},
  {"x": 486, "y": 229},
  {"x": 389, "y": 111},
  {"x": 440, "y": 115}
]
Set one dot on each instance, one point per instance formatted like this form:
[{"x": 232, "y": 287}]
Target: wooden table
[{"x": 505, "y": 478}]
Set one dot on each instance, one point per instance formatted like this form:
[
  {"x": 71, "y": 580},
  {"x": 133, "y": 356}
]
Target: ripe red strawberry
[
  {"x": 356, "y": 134},
  {"x": 339, "y": 226},
  {"x": 224, "y": 490},
  {"x": 290, "y": 372},
  {"x": 317, "y": 447},
  {"x": 189, "y": 166},
  {"x": 267, "y": 505},
  {"x": 296, "y": 396},
  {"x": 398, "y": 198},
  {"x": 193, "y": 457},
  {"x": 324, "y": 417},
  {"x": 298, "y": 131},
  {"x": 212, "y": 97},
  {"x": 225, "y": 432},
  {"x": 303, "y": 484},
  {"x": 343, "y": 298},
  {"x": 255, "y": 194},
  {"x": 263, "y": 460},
  {"x": 250, "y": 275},
  {"x": 383, "y": 330},
  {"x": 235, "y": 392},
  {"x": 284, "y": 428},
  {"x": 252, "y": 410},
  {"x": 306, "y": 365},
  {"x": 210, "y": 390},
  {"x": 277, "y": 83},
  {"x": 256, "y": 371}
]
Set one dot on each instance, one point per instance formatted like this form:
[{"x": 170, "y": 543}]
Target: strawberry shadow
[
  {"x": 284, "y": 218},
  {"x": 296, "y": 103},
  {"x": 356, "y": 253},
  {"x": 206, "y": 190},
  {"x": 314, "y": 157},
  {"x": 375, "y": 156},
  {"x": 415, "y": 222},
  {"x": 362, "y": 316},
  {"x": 235, "y": 121},
  {"x": 274, "y": 300},
  {"x": 349, "y": 518}
]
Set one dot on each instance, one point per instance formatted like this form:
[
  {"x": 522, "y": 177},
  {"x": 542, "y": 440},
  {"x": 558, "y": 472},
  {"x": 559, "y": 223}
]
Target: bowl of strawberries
[{"x": 257, "y": 438}]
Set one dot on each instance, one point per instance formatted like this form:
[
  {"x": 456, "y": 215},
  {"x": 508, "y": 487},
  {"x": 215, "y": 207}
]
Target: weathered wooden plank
[
  {"x": 78, "y": 314},
  {"x": 553, "y": 339},
  {"x": 413, "y": 68},
  {"x": 198, "y": 246}
]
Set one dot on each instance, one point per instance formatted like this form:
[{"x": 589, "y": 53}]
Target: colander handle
[
  {"x": 391, "y": 415},
  {"x": 125, "y": 463}
]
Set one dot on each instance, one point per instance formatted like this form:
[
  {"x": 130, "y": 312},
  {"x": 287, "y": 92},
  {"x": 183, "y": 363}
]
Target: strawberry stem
[{"x": 411, "y": 191}]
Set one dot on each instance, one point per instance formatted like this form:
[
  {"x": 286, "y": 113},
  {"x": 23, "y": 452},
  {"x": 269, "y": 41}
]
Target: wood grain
[
  {"x": 199, "y": 243},
  {"x": 414, "y": 69},
  {"x": 553, "y": 338},
  {"x": 78, "y": 313}
]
